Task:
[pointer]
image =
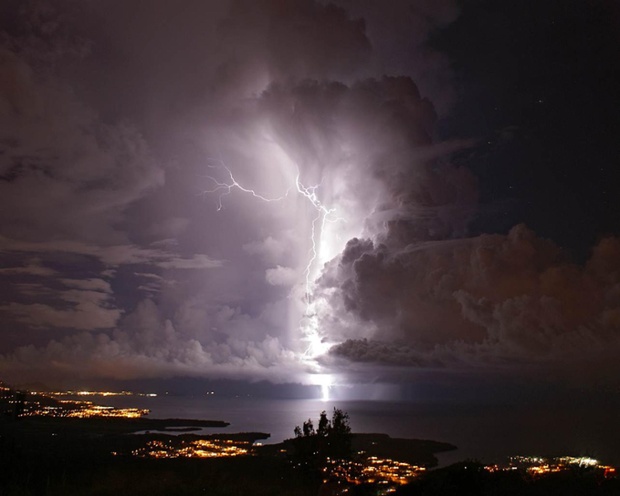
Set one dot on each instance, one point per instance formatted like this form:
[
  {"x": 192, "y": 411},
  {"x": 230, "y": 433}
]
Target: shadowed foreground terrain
[
  {"x": 471, "y": 479},
  {"x": 54, "y": 457},
  {"x": 72, "y": 450},
  {"x": 72, "y": 456}
]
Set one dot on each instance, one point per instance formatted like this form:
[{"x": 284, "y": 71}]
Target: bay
[{"x": 488, "y": 433}]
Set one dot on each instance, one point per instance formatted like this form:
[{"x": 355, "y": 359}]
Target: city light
[
  {"x": 47, "y": 404},
  {"x": 91, "y": 393},
  {"x": 537, "y": 466},
  {"x": 200, "y": 448},
  {"x": 372, "y": 470}
]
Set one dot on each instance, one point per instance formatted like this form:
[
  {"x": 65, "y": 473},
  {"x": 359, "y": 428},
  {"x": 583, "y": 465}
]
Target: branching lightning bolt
[
  {"x": 324, "y": 215},
  {"x": 225, "y": 188}
]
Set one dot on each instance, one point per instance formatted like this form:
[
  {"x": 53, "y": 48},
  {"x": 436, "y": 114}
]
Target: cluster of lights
[
  {"x": 388, "y": 474},
  {"x": 537, "y": 466},
  {"x": 201, "y": 448},
  {"x": 92, "y": 393},
  {"x": 372, "y": 470},
  {"x": 80, "y": 410},
  {"x": 106, "y": 411},
  {"x": 379, "y": 470},
  {"x": 36, "y": 404}
]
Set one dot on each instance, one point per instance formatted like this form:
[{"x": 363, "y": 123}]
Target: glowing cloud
[{"x": 319, "y": 245}]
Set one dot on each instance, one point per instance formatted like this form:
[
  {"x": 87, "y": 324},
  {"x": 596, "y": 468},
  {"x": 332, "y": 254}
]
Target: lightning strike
[
  {"x": 225, "y": 188},
  {"x": 323, "y": 215},
  {"x": 311, "y": 332},
  {"x": 309, "y": 324}
]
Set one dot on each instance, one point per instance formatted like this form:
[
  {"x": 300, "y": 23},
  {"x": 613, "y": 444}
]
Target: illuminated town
[
  {"x": 45, "y": 404},
  {"x": 388, "y": 474},
  {"x": 371, "y": 470},
  {"x": 88, "y": 410},
  {"x": 200, "y": 448},
  {"x": 385, "y": 473},
  {"x": 537, "y": 466},
  {"x": 91, "y": 393}
]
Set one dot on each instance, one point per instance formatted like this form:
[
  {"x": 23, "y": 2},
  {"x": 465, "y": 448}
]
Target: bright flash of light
[
  {"x": 225, "y": 188},
  {"x": 326, "y": 383},
  {"x": 310, "y": 322}
]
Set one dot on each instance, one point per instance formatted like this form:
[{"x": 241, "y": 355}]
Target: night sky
[{"x": 415, "y": 194}]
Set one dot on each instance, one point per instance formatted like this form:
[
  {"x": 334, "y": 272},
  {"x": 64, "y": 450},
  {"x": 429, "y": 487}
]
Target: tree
[
  {"x": 339, "y": 435},
  {"x": 338, "y": 426},
  {"x": 331, "y": 440},
  {"x": 324, "y": 425},
  {"x": 308, "y": 428}
]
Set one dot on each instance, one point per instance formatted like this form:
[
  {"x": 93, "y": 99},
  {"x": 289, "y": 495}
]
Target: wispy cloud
[{"x": 113, "y": 256}]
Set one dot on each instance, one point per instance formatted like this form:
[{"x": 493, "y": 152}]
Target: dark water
[{"x": 485, "y": 433}]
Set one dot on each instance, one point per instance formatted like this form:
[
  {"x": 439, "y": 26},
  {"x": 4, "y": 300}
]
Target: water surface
[{"x": 484, "y": 432}]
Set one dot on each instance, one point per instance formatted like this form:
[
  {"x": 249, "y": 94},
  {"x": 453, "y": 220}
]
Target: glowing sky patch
[{"x": 324, "y": 245}]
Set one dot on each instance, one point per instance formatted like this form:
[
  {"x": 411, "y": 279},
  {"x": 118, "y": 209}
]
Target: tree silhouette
[
  {"x": 332, "y": 440},
  {"x": 324, "y": 425},
  {"x": 308, "y": 428},
  {"x": 339, "y": 435}
]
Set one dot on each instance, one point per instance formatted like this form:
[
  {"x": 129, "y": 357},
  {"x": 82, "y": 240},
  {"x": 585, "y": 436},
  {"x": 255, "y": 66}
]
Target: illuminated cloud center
[{"x": 331, "y": 216}]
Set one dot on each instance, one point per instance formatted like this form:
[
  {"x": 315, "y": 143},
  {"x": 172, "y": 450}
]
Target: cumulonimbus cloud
[
  {"x": 492, "y": 299},
  {"x": 111, "y": 144}
]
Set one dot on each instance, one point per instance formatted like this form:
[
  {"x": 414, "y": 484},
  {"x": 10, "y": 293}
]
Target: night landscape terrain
[
  {"x": 51, "y": 446},
  {"x": 309, "y": 247}
]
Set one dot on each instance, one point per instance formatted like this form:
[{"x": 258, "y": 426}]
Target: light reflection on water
[{"x": 485, "y": 433}]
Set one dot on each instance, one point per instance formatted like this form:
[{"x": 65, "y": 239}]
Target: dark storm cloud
[
  {"x": 284, "y": 41},
  {"x": 107, "y": 113},
  {"x": 110, "y": 255},
  {"x": 400, "y": 45},
  {"x": 86, "y": 310},
  {"x": 370, "y": 145},
  {"x": 60, "y": 165},
  {"x": 492, "y": 299},
  {"x": 33, "y": 268},
  {"x": 119, "y": 121}
]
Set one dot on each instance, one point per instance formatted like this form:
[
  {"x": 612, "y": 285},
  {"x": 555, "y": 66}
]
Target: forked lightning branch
[{"x": 324, "y": 214}]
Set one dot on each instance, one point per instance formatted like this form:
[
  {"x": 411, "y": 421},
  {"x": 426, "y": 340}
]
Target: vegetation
[{"x": 331, "y": 440}]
